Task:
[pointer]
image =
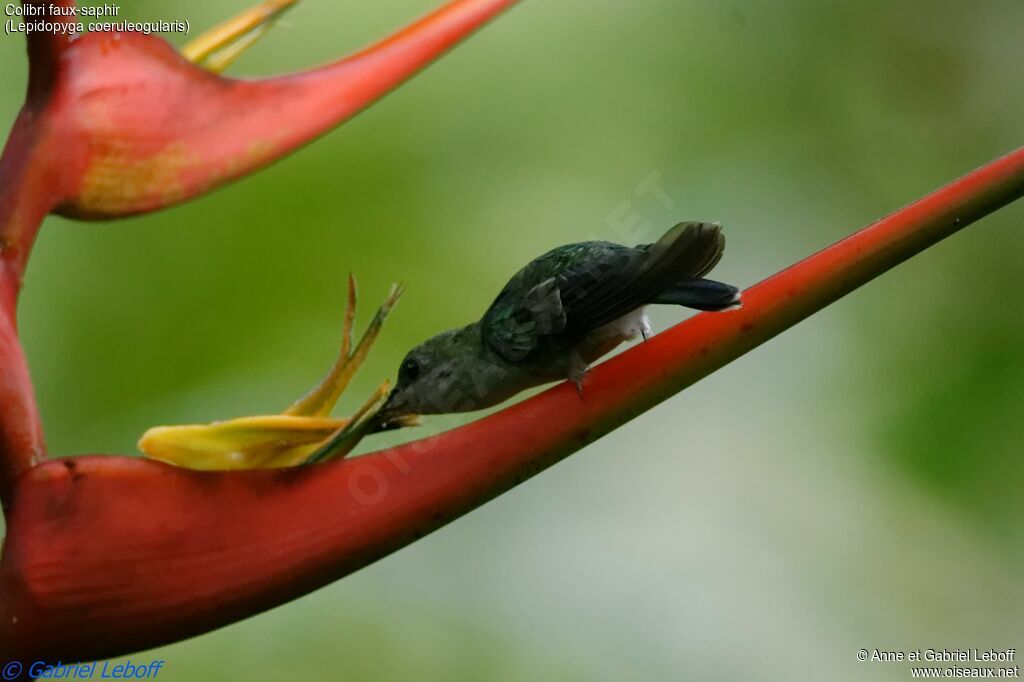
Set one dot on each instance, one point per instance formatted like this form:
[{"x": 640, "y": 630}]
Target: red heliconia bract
[{"x": 105, "y": 554}]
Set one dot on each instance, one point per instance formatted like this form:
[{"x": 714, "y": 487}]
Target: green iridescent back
[{"x": 517, "y": 327}]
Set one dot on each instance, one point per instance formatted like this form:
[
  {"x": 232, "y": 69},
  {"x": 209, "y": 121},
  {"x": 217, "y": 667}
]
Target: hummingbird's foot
[
  {"x": 645, "y": 327},
  {"x": 577, "y": 371}
]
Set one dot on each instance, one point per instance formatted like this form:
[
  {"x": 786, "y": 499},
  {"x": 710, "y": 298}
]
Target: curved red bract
[
  {"x": 151, "y": 129},
  {"x": 106, "y": 555}
]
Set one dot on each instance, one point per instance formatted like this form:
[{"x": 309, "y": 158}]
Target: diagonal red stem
[{"x": 111, "y": 554}]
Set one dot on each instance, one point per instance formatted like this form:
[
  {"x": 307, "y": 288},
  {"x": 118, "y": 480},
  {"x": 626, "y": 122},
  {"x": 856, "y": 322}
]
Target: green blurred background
[{"x": 854, "y": 483}]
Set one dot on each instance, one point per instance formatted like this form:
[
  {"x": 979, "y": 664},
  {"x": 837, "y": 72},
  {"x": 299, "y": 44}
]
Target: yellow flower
[{"x": 304, "y": 433}]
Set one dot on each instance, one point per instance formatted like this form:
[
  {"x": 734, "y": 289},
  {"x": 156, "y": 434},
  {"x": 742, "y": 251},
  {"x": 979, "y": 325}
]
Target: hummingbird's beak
[
  {"x": 392, "y": 415},
  {"x": 390, "y": 406}
]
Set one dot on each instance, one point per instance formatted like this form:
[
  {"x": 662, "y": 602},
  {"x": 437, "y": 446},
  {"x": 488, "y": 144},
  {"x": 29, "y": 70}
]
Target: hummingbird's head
[{"x": 437, "y": 376}]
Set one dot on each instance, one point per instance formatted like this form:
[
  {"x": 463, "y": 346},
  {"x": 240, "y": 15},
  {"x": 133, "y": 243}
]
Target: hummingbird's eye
[{"x": 409, "y": 371}]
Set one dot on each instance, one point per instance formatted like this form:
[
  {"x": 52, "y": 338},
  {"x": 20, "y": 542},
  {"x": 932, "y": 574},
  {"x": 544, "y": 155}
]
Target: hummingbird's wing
[
  {"x": 599, "y": 293},
  {"x": 609, "y": 282},
  {"x": 514, "y": 331}
]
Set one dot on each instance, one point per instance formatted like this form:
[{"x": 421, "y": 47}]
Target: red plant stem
[
  {"x": 21, "y": 433},
  {"x": 29, "y": 184},
  {"x": 106, "y": 555},
  {"x": 26, "y": 181},
  {"x": 46, "y": 47}
]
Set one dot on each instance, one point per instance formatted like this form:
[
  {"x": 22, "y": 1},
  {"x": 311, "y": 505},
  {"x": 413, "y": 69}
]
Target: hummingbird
[{"x": 556, "y": 316}]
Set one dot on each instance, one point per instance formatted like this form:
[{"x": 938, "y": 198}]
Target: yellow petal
[
  {"x": 321, "y": 400},
  {"x": 217, "y": 48},
  {"x": 245, "y": 443},
  {"x": 348, "y": 436}
]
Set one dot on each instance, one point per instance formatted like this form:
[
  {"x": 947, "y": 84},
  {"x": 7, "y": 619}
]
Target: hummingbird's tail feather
[
  {"x": 689, "y": 250},
  {"x": 701, "y": 294},
  {"x": 686, "y": 252}
]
